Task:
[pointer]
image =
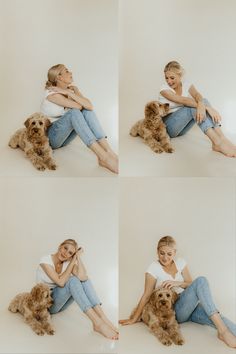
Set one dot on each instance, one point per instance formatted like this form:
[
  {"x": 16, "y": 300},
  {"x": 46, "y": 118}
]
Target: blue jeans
[
  {"x": 196, "y": 304},
  {"x": 75, "y": 122},
  {"x": 82, "y": 292},
  {"x": 181, "y": 121}
]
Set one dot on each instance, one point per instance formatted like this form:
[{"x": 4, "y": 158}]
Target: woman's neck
[
  {"x": 56, "y": 259},
  {"x": 62, "y": 85}
]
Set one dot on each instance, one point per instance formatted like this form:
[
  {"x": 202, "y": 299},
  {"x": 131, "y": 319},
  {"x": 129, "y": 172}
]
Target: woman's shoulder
[
  {"x": 154, "y": 268},
  {"x": 46, "y": 260},
  {"x": 180, "y": 263}
]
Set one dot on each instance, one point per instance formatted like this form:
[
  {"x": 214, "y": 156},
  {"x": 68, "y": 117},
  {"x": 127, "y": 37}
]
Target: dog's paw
[
  {"x": 40, "y": 167},
  {"x": 51, "y": 331},
  {"x": 166, "y": 341},
  {"x": 52, "y": 167},
  {"x": 158, "y": 150},
  {"x": 170, "y": 150},
  {"x": 39, "y": 331},
  {"x": 178, "y": 340}
]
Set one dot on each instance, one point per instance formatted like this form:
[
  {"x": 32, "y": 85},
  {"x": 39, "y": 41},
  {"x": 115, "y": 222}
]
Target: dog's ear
[
  {"x": 166, "y": 107},
  {"x": 153, "y": 298},
  {"x": 27, "y": 122},
  {"x": 174, "y": 297},
  {"x": 36, "y": 293}
]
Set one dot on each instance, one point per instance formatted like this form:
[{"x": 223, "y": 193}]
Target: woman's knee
[
  {"x": 201, "y": 281},
  {"x": 73, "y": 280}
]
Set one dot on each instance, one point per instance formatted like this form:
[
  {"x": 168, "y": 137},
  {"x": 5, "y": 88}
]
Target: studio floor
[
  {"x": 137, "y": 339},
  {"x": 74, "y": 334},
  {"x": 193, "y": 157},
  {"x": 74, "y": 160}
]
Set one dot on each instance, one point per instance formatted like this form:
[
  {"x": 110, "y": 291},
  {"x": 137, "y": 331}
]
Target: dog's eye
[
  {"x": 40, "y": 123},
  {"x": 160, "y": 295},
  {"x": 33, "y": 123},
  {"x": 167, "y": 295}
]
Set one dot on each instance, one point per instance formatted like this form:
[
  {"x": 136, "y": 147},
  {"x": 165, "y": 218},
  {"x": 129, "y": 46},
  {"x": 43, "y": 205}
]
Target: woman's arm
[
  {"x": 186, "y": 101},
  {"x": 75, "y": 95},
  {"x": 168, "y": 284},
  {"x": 61, "y": 279},
  {"x": 79, "y": 269},
  {"x": 61, "y": 100},
  {"x": 150, "y": 283}
]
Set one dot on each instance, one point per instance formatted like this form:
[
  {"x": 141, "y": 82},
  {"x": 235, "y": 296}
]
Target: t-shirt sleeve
[
  {"x": 165, "y": 87},
  {"x": 45, "y": 260},
  {"x": 181, "y": 264},
  {"x": 152, "y": 269}
]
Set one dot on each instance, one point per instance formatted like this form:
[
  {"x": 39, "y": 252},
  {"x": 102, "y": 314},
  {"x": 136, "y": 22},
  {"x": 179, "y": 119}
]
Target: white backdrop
[
  {"x": 199, "y": 34},
  {"x": 82, "y": 34},
  {"x": 198, "y": 213},
  {"x": 38, "y": 214}
]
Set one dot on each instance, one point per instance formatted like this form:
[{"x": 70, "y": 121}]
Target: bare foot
[
  {"x": 106, "y": 331},
  {"x": 228, "y": 338},
  {"x": 225, "y": 147},
  {"x": 110, "y": 324},
  {"x": 110, "y": 163}
]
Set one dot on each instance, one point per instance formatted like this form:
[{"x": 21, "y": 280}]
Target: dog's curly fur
[
  {"x": 34, "y": 141},
  {"x": 152, "y": 129},
  {"x": 34, "y": 307},
  {"x": 158, "y": 314}
]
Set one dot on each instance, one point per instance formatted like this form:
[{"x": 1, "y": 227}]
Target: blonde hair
[
  {"x": 53, "y": 73},
  {"x": 166, "y": 241},
  {"x": 175, "y": 67},
  {"x": 70, "y": 241}
]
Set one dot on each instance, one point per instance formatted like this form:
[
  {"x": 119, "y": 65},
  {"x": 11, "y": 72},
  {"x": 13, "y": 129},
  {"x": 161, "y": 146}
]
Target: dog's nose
[
  {"x": 36, "y": 130},
  {"x": 163, "y": 302}
]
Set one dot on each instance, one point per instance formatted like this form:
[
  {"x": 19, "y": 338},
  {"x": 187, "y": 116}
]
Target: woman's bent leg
[
  {"x": 93, "y": 123},
  {"x": 177, "y": 122},
  {"x": 197, "y": 292},
  {"x": 90, "y": 293},
  {"x": 60, "y": 297}
]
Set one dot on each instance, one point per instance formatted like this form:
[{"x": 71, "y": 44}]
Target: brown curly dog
[
  {"x": 159, "y": 316},
  {"x": 34, "y": 141},
  {"x": 34, "y": 307},
  {"x": 152, "y": 129}
]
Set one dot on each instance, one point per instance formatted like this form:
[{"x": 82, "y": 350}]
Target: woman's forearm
[
  {"x": 65, "y": 276},
  {"x": 136, "y": 314},
  {"x": 84, "y": 102},
  {"x": 79, "y": 270}
]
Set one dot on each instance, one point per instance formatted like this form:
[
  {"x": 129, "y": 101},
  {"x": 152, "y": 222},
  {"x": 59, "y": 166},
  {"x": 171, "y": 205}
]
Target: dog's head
[
  {"x": 155, "y": 109},
  {"x": 163, "y": 299},
  {"x": 37, "y": 124},
  {"x": 40, "y": 296}
]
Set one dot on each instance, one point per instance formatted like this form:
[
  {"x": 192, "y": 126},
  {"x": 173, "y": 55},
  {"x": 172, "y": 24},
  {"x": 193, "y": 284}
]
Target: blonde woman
[
  {"x": 73, "y": 115},
  {"x": 65, "y": 274},
  {"x": 195, "y": 301},
  {"x": 187, "y": 106}
]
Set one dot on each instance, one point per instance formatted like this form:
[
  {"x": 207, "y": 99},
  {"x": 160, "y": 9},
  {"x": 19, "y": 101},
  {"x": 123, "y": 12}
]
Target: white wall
[
  {"x": 198, "y": 213},
  {"x": 199, "y": 34},
  {"x": 82, "y": 34},
  {"x": 38, "y": 214}
]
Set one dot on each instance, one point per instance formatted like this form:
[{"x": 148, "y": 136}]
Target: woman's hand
[
  {"x": 214, "y": 114},
  {"x": 169, "y": 284},
  {"x": 128, "y": 321},
  {"x": 74, "y": 89},
  {"x": 201, "y": 113}
]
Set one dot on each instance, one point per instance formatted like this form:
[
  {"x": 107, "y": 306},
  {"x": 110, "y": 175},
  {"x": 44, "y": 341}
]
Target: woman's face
[
  {"x": 65, "y": 252},
  {"x": 65, "y": 76},
  {"x": 173, "y": 79},
  {"x": 166, "y": 255}
]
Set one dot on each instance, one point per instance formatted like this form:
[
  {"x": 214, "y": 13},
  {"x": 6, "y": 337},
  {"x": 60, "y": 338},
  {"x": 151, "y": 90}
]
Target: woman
[
  {"x": 73, "y": 115},
  {"x": 187, "y": 106},
  {"x": 195, "y": 300},
  {"x": 66, "y": 275}
]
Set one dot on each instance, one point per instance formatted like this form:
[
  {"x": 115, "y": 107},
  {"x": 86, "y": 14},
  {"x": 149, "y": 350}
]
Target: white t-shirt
[
  {"x": 172, "y": 105},
  {"x": 51, "y": 109},
  {"x": 42, "y": 277},
  {"x": 156, "y": 270}
]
